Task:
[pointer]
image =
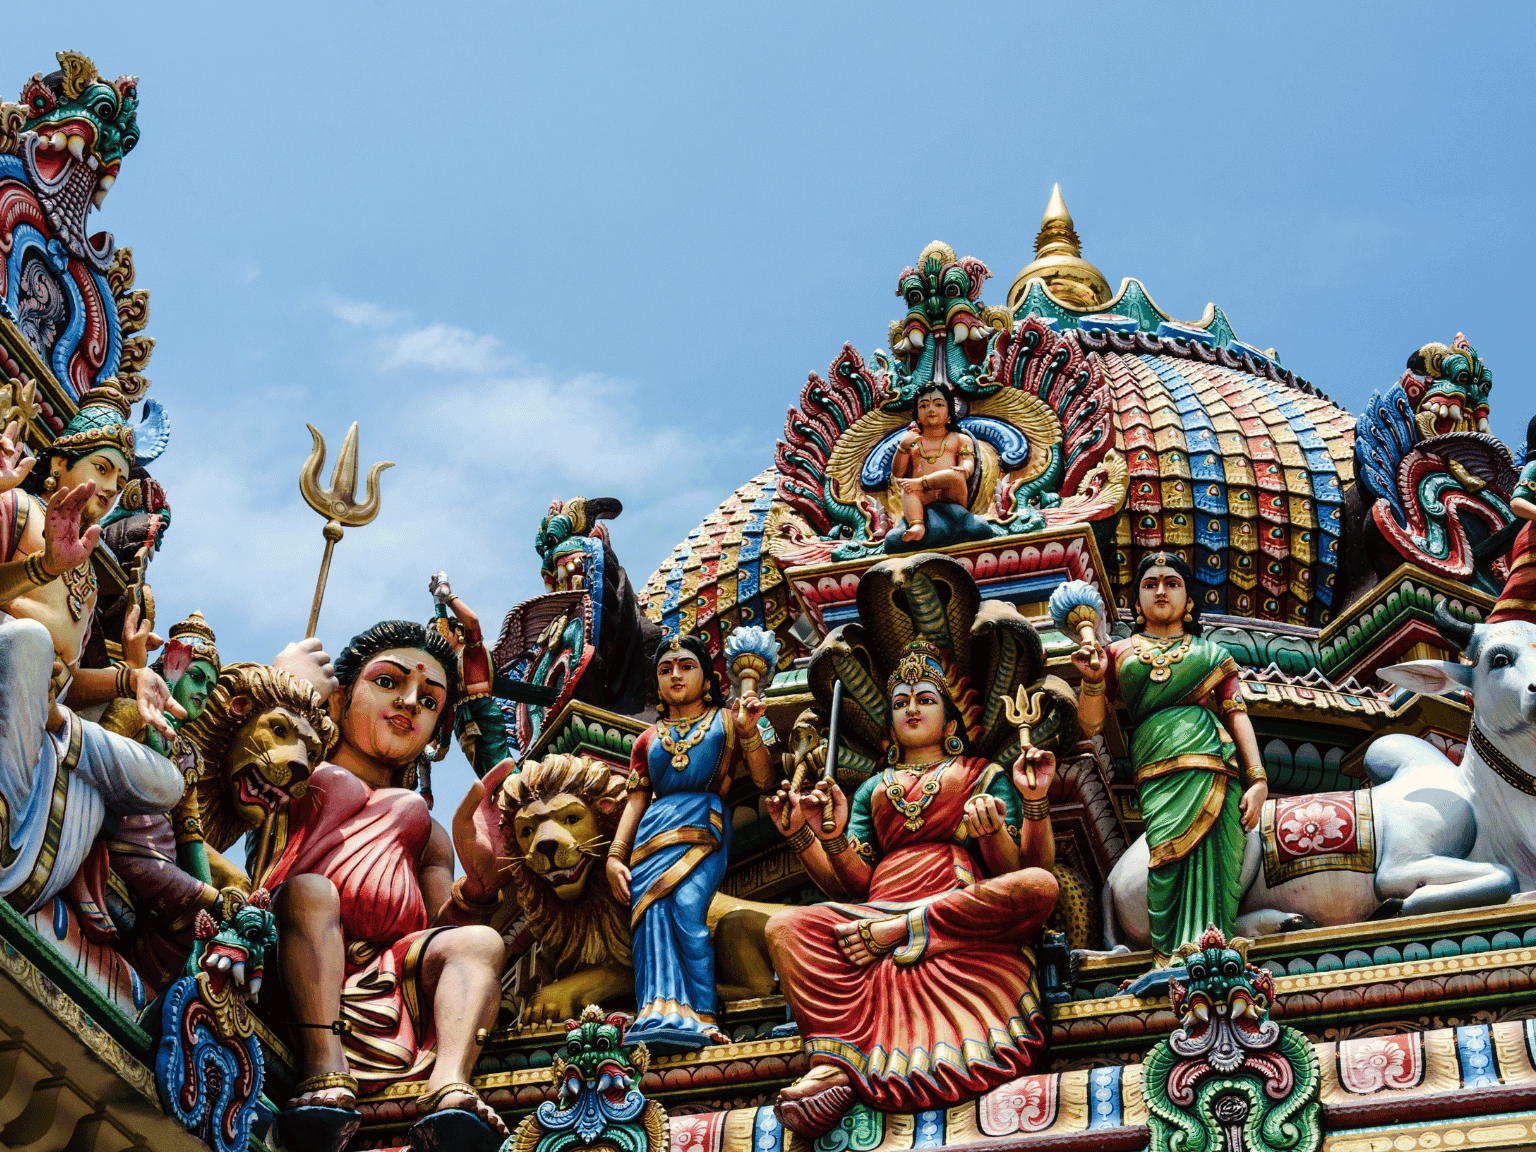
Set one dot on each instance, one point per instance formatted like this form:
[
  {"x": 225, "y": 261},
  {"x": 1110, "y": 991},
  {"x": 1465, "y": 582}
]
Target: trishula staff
[{"x": 338, "y": 503}]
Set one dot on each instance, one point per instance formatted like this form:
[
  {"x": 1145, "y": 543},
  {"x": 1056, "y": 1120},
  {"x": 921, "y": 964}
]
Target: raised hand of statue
[
  {"x": 64, "y": 545},
  {"x": 815, "y": 804},
  {"x": 155, "y": 700},
  {"x": 439, "y": 587},
  {"x": 1091, "y": 661},
  {"x": 15, "y": 464},
  {"x": 307, "y": 659},
  {"x": 749, "y": 709},
  {"x": 476, "y": 834},
  {"x": 1033, "y": 772},
  {"x": 138, "y": 640},
  {"x": 781, "y": 802}
]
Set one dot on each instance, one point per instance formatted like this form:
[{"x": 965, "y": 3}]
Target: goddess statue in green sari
[{"x": 1191, "y": 745}]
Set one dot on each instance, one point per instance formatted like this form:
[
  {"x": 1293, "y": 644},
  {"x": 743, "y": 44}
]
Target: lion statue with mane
[
  {"x": 557, "y": 818},
  {"x": 250, "y": 750}
]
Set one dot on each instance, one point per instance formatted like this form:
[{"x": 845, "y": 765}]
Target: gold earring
[
  {"x": 1141, "y": 621},
  {"x": 51, "y": 483},
  {"x": 1189, "y": 614},
  {"x": 954, "y": 745}
]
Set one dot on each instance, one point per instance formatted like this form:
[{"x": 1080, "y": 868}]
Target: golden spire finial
[
  {"x": 1056, "y": 235},
  {"x": 1059, "y": 262}
]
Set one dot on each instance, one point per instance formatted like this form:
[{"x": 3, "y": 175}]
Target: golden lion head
[
  {"x": 558, "y": 816},
  {"x": 260, "y": 735}
]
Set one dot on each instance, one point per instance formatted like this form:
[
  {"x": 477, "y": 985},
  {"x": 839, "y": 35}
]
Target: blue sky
[{"x": 558, "y": 250}]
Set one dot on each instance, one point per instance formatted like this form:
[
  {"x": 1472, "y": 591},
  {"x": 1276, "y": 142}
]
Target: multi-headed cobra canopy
[{"x": 924, "y": 614}]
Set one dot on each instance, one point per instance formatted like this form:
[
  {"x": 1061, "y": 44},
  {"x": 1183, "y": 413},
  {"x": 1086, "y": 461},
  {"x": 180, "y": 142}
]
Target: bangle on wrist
[
  {"x": 835, "y": 846},
  {"x": 753, "y": 741},
  {"x": 801, "y": 839},
  {"x": 34, "y": 571},
  {"x": 1037, "y": 809},
  {"x": 619, "y": 850},
  {"x": 1093, "y": 687},
  {"x": 124, "y": 679}
]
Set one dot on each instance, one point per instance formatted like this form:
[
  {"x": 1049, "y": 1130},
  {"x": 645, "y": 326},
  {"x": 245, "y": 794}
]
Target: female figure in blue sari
[{"x": 669, "y": 852}]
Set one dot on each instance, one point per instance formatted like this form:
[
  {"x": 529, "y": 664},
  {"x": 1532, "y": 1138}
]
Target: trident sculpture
[
  {"x": 338, "y": 503},
  {"x": 1024, "y": 710}
]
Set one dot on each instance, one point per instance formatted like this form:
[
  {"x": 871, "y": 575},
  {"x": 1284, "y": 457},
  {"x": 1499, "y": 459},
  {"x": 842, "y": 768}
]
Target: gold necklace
[
  {"x": 1162, "y": 659},
  {"x": 918, "y": 444},
  {"x": 681, "y": 740},
  {"x": 912, "y": 810}
]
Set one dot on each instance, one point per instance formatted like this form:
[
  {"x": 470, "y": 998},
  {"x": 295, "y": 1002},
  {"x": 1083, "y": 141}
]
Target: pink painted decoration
[
  {"x": 178, "y": 658},
  {"x": 1369, "y": 1064},
  {"x": 1027, "y": 1104}
]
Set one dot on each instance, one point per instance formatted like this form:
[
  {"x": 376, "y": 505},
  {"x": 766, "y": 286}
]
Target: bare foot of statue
[
  {"x": 814, "y": 1104},
  {"x": 915, "y": 531},
  {"x": 865, "y": 941}
]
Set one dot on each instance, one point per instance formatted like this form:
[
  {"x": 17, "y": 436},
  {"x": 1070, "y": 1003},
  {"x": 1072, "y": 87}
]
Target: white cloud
[
  {"x": 363, "y": 314},
  {"x": 444, "y": 348},
  {"x": 400, "y": 343}
]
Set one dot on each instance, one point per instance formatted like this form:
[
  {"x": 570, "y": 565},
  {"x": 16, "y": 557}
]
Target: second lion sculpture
[{"x": 556, "y": 819}]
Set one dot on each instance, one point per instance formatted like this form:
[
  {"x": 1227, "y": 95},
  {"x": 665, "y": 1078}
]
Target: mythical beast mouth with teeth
[{"x": 78, "y": 129}]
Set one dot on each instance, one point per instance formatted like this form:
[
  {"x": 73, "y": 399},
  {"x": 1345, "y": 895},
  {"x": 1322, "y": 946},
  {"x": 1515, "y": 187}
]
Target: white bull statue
[{"x": 1428, "y": 836}]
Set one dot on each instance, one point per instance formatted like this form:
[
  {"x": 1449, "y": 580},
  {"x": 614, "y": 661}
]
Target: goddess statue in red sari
[
  {"x": 920, "y": 991},
  {"x": 383, "y": 986}
]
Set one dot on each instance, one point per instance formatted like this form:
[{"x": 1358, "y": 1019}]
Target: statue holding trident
[{"x": 388, "y": 980}]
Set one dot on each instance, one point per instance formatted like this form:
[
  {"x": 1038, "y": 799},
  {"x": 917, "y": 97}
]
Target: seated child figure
[{"x": 934, "y": 460}]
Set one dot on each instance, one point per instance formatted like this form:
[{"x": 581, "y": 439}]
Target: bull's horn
[{"x": 1456, "y": 631}]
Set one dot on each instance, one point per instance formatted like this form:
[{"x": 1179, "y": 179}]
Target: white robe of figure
[{"x": 114, "y": 774}]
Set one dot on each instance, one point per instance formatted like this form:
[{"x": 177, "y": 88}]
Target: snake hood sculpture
[
  {"x": 987, "y": 649},
  {"x": 78, "y": 128}
]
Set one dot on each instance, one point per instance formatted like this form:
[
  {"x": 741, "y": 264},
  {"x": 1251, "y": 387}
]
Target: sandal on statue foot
[
  {"x": 320, "y": 1127},
  {"x": 451, "y": 1129}
]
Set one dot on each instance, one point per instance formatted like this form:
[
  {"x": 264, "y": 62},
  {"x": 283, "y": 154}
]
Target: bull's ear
[{"x": 1429, "y": 677}]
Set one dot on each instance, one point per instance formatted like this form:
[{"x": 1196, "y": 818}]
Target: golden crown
[
  {"x": 195, "y": 633},
  {"x": 100, "y": 423},
  {"x": 921, "y": 661}
]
